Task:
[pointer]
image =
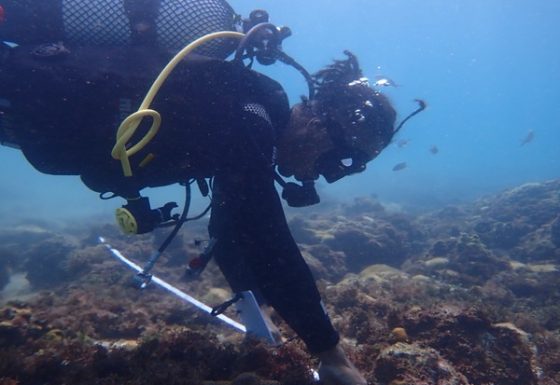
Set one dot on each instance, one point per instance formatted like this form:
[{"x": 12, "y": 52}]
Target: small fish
[
  {"x": 528, "y": 138},
  {"x": 399, "y": 166},
  {"x": 403, "y": 143},
  {"x": 383, "y": 81},
  {"x": 2, "y": 15},
  {"x": 434, "y": 150}
]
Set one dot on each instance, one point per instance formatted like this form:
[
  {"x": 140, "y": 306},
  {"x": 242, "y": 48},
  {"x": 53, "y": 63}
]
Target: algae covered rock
[
  {"x": 404, "y": 363},
  {"x": 47, "y": 264},
  {"x": 468, "y": 339}
]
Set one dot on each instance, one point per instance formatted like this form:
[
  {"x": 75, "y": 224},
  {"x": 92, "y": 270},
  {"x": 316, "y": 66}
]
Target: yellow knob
[{"x": 126, "y": 221}]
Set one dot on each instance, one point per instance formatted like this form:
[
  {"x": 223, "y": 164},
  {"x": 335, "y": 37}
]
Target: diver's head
[{"x": 343, "y": 127}]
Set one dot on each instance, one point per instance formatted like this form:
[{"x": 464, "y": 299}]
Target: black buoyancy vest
[{"x": 67, "y": 110}]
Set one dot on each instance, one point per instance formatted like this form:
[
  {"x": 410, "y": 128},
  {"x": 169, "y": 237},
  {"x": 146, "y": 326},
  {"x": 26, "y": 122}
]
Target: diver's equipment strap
[{"x": 220, "y": 309}]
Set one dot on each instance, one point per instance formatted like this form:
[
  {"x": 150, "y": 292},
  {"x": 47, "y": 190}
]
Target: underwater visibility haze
[
  {"x": 489, "y": 71},
  {"x": 445, "y": 250}
]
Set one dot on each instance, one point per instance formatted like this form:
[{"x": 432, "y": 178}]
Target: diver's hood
[{"x": 360, "y": 122}]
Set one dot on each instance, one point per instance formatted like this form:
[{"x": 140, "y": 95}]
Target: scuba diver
[{"x": 72, "y": 70}]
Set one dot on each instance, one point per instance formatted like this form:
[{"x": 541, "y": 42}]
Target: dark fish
[
  {"x": 403, "y": 142},
  {"x": 528, "y": 138},
  {"x": 2, "y": 14},
  {"x": 434, "y": 150},
  {"x": 399, "y": 166}
]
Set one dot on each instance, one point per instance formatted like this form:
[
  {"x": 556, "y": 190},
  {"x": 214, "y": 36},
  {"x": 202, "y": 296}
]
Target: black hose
[
  {"x": 249, "y": 36},
  {"x": 286, "y": 59},
  {"x": 182, "y": 219},
  {"x": 422, "y": 107},
  {"x": 201, "y": 214}
]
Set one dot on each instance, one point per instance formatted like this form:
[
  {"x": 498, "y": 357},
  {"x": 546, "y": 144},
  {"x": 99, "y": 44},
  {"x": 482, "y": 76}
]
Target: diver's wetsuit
[{"x": 218, "y": 119}]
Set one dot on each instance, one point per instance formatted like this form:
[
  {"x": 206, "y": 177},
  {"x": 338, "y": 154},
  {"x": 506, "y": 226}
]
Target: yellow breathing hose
[{"x": 130, "y": 124}]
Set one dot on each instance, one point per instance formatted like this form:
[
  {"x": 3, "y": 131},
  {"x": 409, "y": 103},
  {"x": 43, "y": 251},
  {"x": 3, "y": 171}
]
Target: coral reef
[
  {"x": 521, "y": 221},
  {"x": 356, "y": 236},
  {"x": 463, "y": 295},
  {"x": 462, "y": 259},
  {"x": 481, "y": 350}
]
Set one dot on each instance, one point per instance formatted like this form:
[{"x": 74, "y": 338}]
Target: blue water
[{"x": 488, "y": 69}]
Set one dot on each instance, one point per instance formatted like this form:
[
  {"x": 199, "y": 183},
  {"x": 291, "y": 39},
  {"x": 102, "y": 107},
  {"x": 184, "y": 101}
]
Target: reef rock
[
  {"x": 357, "y": 236},
  {"x": 50, "y": 263},
  {"x": 17, "y": 325},
  {"x": 504, "y": 221},
  {"x": 463, "y": 260},
  {"x": 482, "y": 351},
  {"x": 405, "y": 364}
]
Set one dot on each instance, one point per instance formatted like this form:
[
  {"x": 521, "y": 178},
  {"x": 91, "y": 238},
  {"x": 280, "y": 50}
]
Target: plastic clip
[{"x": 143, "y": 279}]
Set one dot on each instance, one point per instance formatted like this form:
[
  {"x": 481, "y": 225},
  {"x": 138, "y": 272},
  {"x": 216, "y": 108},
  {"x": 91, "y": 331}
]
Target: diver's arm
[{"x": 249, "y": 223}]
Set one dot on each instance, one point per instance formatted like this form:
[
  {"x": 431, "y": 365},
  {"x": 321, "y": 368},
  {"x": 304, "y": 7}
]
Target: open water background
[{"x": 488, "y": 69}]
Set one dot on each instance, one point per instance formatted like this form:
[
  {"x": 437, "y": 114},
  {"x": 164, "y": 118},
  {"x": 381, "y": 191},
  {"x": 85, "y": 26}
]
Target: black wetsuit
[{"x": 218, "y": 120}]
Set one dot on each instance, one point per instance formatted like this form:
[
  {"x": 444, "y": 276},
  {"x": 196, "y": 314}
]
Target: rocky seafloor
[{"x": 467, "y": 294}]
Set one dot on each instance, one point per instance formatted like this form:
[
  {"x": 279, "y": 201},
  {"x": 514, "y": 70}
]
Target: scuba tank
[{"x": 170, "y": 24}]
